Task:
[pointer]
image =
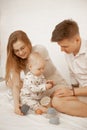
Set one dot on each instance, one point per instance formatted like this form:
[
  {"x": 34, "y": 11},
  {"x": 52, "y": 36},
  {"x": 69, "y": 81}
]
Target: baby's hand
[
  {"x": 51, "y": 82},
  {"x": 49, "y": 86}
]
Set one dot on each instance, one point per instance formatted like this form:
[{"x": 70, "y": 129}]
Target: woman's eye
[
  {"x": 22, "y": 48},
  {"x": 16, "y": 51}
]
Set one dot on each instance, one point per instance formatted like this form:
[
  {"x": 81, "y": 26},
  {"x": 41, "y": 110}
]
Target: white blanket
[{"x": 11, "y": 121}]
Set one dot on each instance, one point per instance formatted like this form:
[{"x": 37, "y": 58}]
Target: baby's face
[{"x": 37, "y": 69}]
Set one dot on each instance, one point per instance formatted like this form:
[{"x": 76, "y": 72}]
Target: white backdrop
[{"x": 38, "y": 19}]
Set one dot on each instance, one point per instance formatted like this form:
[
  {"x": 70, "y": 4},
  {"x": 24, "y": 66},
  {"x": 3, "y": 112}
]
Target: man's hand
[{"x": 63, "y": 92}]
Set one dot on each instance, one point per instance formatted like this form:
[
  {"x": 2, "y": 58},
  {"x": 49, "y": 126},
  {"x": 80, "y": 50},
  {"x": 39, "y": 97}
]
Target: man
[{"x": 72, "y": 101}]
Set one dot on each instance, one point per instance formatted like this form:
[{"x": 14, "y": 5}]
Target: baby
[{"x": 35, "y": 85}]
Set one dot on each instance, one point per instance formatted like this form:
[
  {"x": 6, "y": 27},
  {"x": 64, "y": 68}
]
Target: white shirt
[{"x": 78, "y": 65}]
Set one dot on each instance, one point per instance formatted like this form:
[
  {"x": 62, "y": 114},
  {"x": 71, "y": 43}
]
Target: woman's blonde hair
[{"x": 14, "y": 62}]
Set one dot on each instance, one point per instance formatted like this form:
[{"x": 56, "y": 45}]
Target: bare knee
[{"x": 57, "y": 103}]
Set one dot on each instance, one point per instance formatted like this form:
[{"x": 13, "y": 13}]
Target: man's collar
[{"x": 82, "y": 48}]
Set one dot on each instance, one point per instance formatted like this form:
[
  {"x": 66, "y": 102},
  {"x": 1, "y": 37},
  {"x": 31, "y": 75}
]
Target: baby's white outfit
[{"x": 33, "y": 90}]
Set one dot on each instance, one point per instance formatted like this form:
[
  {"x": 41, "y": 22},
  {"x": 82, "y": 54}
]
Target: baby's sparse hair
[{"x": 35, "y": 58}]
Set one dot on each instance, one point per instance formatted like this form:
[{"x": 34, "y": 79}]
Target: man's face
[{"x": 70, "y": 45}]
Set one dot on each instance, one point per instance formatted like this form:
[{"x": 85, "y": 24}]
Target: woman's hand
[
  {"x": 18, "y": 111},
  {"x": 63, "y": 92}
]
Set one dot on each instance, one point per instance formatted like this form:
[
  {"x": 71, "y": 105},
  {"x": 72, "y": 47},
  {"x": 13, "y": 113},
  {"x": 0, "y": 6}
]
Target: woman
[{"x": 19, "y": 48}]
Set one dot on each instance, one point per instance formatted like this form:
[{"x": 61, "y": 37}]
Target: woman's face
[{"x": 21, "y": 49}]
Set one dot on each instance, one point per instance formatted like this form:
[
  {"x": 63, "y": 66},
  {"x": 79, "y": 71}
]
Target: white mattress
[{"x": 11, "y": 121}]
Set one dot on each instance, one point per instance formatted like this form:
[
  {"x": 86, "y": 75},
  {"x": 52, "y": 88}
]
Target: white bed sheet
[{"x": 11, "y": 121}]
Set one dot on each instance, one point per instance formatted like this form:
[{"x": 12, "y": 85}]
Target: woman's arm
[
  {"x": 16, "y": 97},
  {"x": 15, "y": 84}
]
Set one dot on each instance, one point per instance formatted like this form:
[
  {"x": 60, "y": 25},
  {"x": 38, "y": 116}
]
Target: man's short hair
[{"x": 65, "y": 30}]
